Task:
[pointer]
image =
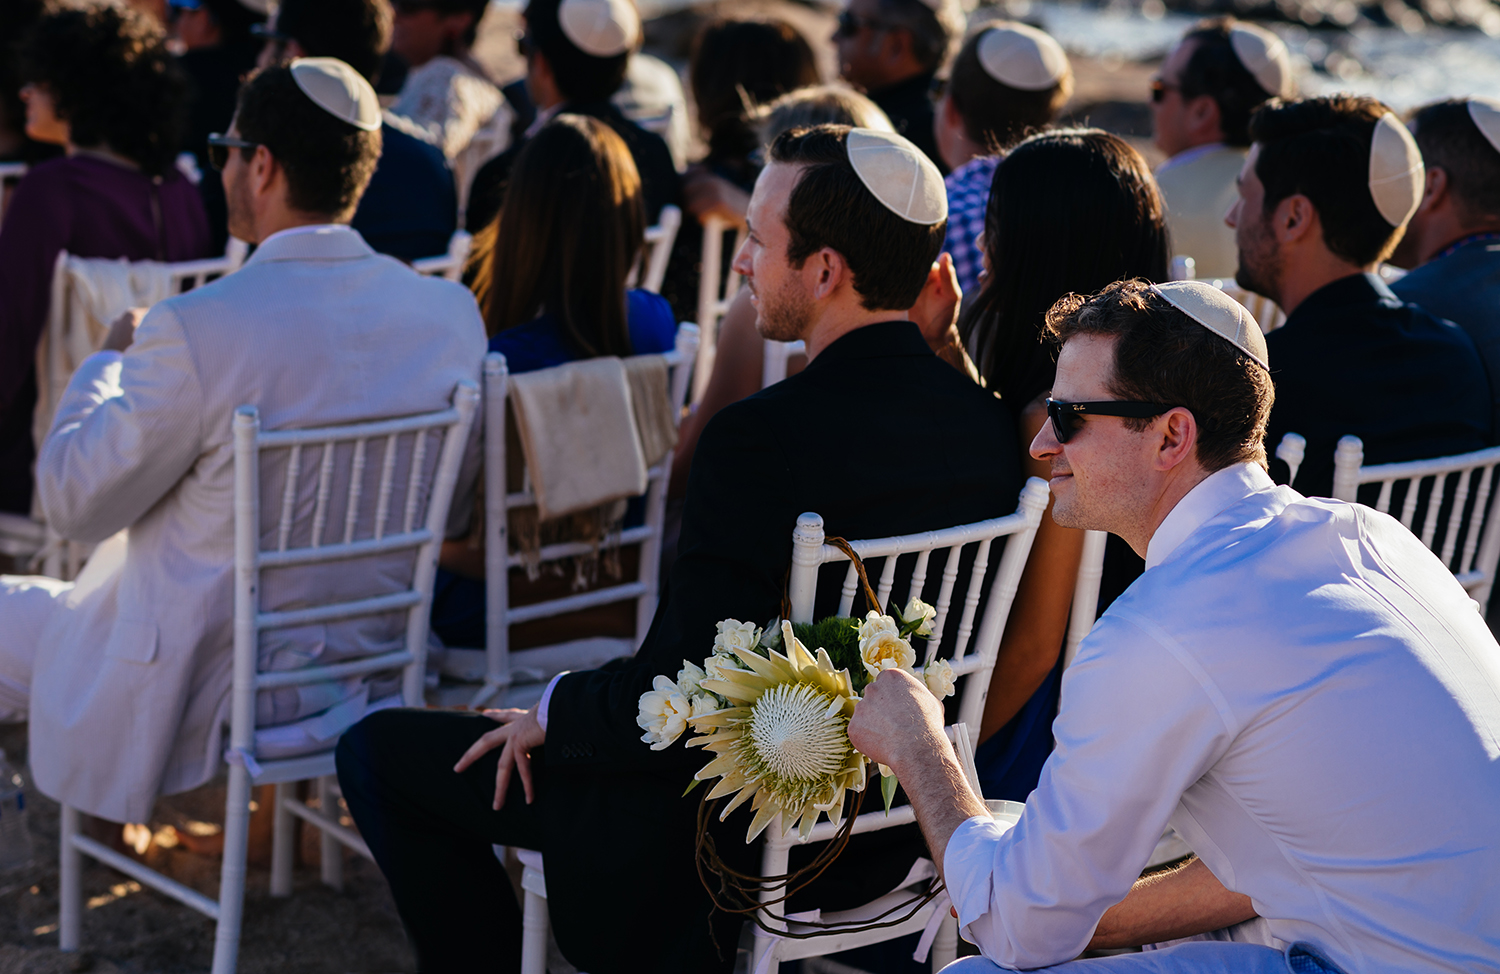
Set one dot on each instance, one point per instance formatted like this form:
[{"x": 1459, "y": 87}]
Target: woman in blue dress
[{"x": 549, "y": 274}]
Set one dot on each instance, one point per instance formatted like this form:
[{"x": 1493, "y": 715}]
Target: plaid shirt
[{"x": 968, "y": 198}]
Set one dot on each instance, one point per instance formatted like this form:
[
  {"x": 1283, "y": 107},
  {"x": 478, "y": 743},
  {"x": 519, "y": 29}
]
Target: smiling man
[
  {"x": 1297, "y": 686},
  {"x": 877, "y": 434}
]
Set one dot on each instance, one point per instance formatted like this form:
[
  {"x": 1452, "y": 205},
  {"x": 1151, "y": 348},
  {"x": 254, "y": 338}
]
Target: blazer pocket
[{"x": 134, "y": 642}]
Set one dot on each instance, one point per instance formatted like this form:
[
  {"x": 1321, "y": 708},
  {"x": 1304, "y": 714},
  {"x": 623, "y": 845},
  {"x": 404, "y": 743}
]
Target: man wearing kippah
[
  {"x": 1007, "y": 80},
  {"x": 1201, "y": 102},
  {"x": 844, "y": 227},
  {"x": 1325, "y": 192},
  {"x": 577, "y": 53},
  {"x": 1453, "y": 239},
  {"x": 126, "y": 675},
  {"x": 1297, "y": 686},
  {"x": 892, "y": 49}
]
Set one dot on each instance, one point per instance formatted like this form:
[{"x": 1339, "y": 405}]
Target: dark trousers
[{"x": 431, "y": 830}]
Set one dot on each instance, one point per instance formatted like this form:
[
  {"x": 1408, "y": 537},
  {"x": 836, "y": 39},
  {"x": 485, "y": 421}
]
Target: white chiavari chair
[
  {"x": 715, "y": 292},
  {"x": 658, "y": 250},
  {"x": 403, "y": 516},
  {"x": 451, "y": 264},
  {"x": 505, "y": 669},
  {"x": 1455, "y": 497}
]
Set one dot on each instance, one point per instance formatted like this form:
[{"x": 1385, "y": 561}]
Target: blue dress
[{"x": 458, "y": 602}]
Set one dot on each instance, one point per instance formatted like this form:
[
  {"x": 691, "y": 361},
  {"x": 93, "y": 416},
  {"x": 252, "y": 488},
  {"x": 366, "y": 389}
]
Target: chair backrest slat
[
  {"x": 1476, "y": 520},
  {"x": 1455, "y": 516},
  {"x": 1383, "y": 502},
  {"x": 289, "y": 497},
  {"x": 383, "y": 496},
  {"x": 356, "y": 481},
  {"x": 1434, "y": 502},
  {"x": 325, "y": 482},
  {"x": 945, "y": 594},
  {"x": 846, "y": 596},
  {"x": 414, "y": 480},
  {"x": 1409, "y": 503}
]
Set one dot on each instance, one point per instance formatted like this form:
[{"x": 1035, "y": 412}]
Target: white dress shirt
[{"x": 1307, "y": 695}]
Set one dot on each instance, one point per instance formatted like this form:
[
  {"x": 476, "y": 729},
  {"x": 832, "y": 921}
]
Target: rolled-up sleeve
[{"x": 1140, "y": 723}]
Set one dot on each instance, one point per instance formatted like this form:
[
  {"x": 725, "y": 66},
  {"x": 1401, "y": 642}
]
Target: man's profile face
[
  {"x": 1169, "y": 120},
  {"x": 1100, "y": 477},
  {"x": 1259, "y": 264},
  {"x": 777, "y": 289},
  {"x": 861, "y": 45}
]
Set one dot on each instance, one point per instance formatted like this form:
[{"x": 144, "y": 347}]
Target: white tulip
[
  {"x": 938, "y": 675},
  {"x": 663, "y": 715},
  {"x": 917, "y": 609}
]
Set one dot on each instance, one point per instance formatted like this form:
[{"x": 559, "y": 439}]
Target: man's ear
[
  {"x": 1203, "y": 111},
  {"x": 1179, "y": 438},
  {"x": 1295, "y": 218},
  {"x": 1435, "y": 193},
  {"x": 829, "y": 271},
  {"x": 264, "y": 170}
]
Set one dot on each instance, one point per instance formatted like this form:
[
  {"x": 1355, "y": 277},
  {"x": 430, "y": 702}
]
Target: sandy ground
[{"x": 129, "y": 929}]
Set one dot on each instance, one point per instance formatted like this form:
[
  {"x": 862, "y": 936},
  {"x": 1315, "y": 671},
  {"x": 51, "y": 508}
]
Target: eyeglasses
[
  {"x": 219, "y": 146},
  {"x": 1159, "y": 89},
  {"x": 850, "y": 23},
  {"x": 1067, "y": 416}
]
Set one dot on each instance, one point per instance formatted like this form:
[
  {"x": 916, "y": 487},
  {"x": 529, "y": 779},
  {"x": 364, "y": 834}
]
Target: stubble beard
[
  {"x": 784, "y": 314},
  {"x": 1259, "y": 270}
]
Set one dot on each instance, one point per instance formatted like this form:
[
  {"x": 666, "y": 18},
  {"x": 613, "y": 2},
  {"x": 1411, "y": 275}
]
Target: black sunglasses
[
  {"x": 1065, "y": 416},
  {"x": 851, "y": 22},
  {"x": 1159, "y": 89},
  {"x": 219, "y": 146}
]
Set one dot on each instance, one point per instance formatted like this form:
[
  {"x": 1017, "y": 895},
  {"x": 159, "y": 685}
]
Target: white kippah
[
  {"x": 1219, "y": 313},
  {"x": 1264, "y": 56},
  {"x": 339, "y": 90},
  {"x": 602, "y": 28},
  {"x": 1486, "y": 115},
  {"x": 899, "y": 174},
  {"x": 1022, "y": 57},
  {"x": 1396, "y": 173}
]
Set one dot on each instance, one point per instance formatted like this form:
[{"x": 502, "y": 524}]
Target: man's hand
[
  {"x": 122, "y": 330},
  {"x": 519, "y": 733},
  {"x": 936, "y": 310},
  {"x": 898, "y": 723}
]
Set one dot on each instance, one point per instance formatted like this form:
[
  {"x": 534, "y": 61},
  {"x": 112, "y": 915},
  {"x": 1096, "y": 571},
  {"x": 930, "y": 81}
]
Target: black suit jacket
[
  {"x": 879, "y": 437},
  {"x": 660, "y": 182},
  {"x": 1354, "y": 360}
]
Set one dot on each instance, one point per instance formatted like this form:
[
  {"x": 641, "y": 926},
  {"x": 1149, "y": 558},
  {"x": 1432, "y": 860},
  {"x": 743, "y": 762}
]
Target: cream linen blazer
[
  {"x": 130, "y": 690},
  {"x": 1198, "y": 193}
]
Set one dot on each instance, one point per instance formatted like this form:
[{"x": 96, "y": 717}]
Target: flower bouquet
[{"x": 775, "y": 714}]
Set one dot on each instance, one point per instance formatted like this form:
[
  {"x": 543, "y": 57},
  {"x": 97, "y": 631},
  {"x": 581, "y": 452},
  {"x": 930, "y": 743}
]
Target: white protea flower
[
  {"x": 783, "y": 741},
  {"x": 917, "y": 609},
  {"x": 886, "y": 650},
  {"x": 663, "y": 714},
  {"x": 938, "y": 675}
]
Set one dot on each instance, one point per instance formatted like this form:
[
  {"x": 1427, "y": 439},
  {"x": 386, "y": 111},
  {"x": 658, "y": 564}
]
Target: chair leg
[
  {"x": 232, "y": 876},
  {"x": 534, "y": 924},
  {"x": 331, "y": 851},
  {"x": 70, "y": 882},
  {"x": 945, "y": 944},
  {"x": 283, "y": 840}
]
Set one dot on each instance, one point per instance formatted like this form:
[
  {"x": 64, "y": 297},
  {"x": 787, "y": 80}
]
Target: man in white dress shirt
[
  {"x": 125, "y": 676},
  {"x": 1297, "y": 686}
]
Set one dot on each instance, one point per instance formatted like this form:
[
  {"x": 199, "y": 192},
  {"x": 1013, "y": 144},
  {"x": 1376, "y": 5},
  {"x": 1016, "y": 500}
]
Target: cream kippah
[
  {"x": 1396, "y": 173},
  {"x": 1486, "y": 115},
  {"x": 1264, "y": 56},
  {"x": 900, "y": 175},
  {"x": 339, "y": 90},
  {"x": 1022, "y": 57},
  {"x": 602, "y": 28},
  {"x": 1219, "y": 313}
]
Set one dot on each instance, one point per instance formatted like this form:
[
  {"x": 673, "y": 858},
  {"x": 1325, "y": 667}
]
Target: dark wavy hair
[
  {"x": 113, "y": 82},
  {"x": 1215, "y": 70},
  {"x": 738, "y": 65},
  {"x": 1070, "y": 210}
]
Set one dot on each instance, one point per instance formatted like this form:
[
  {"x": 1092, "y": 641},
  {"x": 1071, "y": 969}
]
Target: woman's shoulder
[{"x": 653, "y": 327}]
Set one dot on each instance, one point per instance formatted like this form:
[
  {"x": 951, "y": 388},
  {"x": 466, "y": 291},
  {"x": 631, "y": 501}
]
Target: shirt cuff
[
  {"x": 969, "y": 867},
  {"x": 546, "y": 701}
]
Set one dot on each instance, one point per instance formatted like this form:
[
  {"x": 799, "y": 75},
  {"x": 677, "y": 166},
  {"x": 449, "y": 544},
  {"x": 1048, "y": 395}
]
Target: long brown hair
[{"x": 571, "y": 229}]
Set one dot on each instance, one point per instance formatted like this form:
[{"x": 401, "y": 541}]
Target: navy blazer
[
  {"x": 878, "y": 436},
  {"x": 1463, "y": 286},
  {"x": 1353, "y": 359}
]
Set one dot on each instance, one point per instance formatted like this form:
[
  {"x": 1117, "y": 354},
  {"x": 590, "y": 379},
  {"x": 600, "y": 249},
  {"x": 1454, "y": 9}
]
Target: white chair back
[
  {"x": 1266, "y": 312},
  {"x": 503, "y": 668},
  {"x": 451, "y": 264},
  {"x": 1085, "y": 610},
  {"x": 304, "y": 536},
  {"x": 1462, "y": 487},
  {"x": 715, "y": 292},
  {"x": 658, "y": 250},
  {"x": 774, "y": 360},
  {"x": 10, "y": 174},
  {"x": 973, "y": 656}
]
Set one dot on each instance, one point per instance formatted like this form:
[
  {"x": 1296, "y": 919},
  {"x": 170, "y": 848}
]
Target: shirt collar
[
  {"x": 1188, "y": 155},
  {"x": 1214, "y": 494},
  {"x": 310, "y": 228}
]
